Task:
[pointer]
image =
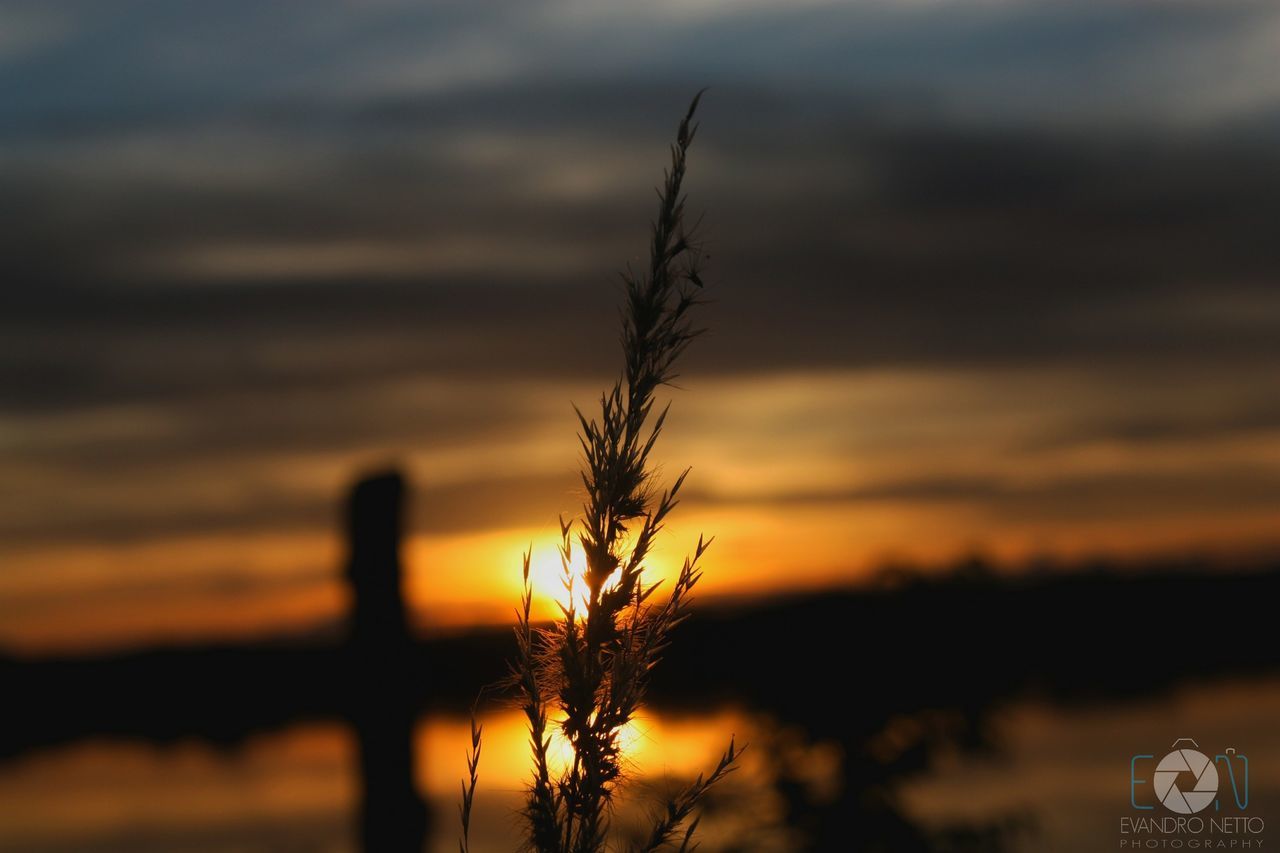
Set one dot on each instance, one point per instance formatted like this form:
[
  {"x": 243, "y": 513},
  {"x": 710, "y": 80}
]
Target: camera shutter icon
[{"x": 1185, "y": 760}]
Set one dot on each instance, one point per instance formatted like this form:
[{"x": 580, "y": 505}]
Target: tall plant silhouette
[{"x": 587, "y": 674}]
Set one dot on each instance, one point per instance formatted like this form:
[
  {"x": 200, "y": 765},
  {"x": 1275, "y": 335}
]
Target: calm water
[{"x": 1066, "y": 769}]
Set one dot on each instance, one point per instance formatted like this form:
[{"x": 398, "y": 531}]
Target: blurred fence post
[{"x": 393, "y": 817}]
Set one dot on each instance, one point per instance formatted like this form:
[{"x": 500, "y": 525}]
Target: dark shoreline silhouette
[{"x": 984, "y": 636}]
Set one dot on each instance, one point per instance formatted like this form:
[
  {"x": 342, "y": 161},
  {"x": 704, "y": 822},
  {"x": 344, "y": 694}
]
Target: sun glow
[
  {"x": 556, "y": 586},
  {"x": 653, "y": 745},
  {"x": 550, "y": 580}
]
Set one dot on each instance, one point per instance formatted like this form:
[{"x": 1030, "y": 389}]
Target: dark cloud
[
  {"x": 1122, "y": 495},
  {"x": 890, "y": 246},
  {"x": 483, "y": 503},
  {"x": 1254, "y": 419}
]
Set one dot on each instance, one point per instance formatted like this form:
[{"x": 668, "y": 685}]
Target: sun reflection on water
[{"x": 652, "y": 745}]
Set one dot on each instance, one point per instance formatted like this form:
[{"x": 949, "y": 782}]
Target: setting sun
[{"x": 548, "y": 577}]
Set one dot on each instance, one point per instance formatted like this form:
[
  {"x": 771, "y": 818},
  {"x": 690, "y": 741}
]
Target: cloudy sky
[{"x": 988, "y": 275}]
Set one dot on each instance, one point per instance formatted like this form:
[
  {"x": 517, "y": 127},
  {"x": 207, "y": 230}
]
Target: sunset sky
[{"x": 993, "y": 276}]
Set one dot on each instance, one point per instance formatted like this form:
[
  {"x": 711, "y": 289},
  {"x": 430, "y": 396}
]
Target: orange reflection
[{"x": 653, "y": 746}]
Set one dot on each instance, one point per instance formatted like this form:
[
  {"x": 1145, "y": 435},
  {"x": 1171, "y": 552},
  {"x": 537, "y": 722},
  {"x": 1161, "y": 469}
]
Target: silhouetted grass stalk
[
  {"x": 469, "y": 786},
  {"x": 592, "y": 666}
]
